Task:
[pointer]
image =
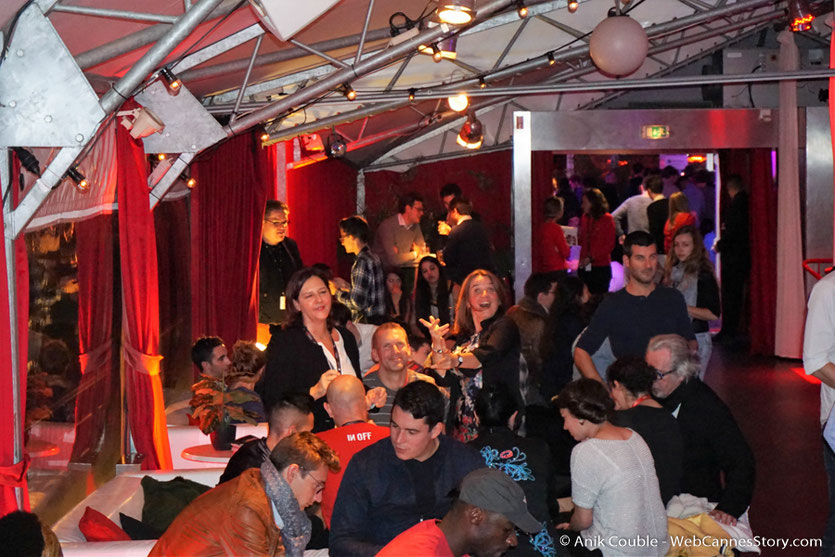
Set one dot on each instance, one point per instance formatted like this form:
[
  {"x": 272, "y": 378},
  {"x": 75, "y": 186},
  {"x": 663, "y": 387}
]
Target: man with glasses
[
  {"x": 261, "y": 512},
  {"x": 278, "y": 260},
  {"x": 399, "y": 241},
  {"x": 636, "y": 313},
  {"x": 714, "y": 447}
]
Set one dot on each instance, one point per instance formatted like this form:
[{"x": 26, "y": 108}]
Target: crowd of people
[{"x": 412, "y": 410}]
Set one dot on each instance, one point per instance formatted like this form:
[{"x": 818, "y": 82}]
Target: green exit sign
[{"x": 655, "y": 131}]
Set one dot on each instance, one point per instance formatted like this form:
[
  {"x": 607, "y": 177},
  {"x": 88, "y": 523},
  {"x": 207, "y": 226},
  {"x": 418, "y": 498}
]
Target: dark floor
[{"x": 777, "y": 409}]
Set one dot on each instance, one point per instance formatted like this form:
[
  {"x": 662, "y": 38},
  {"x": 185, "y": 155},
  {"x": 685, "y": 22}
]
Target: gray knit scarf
[{"x": 296, "y": 531}]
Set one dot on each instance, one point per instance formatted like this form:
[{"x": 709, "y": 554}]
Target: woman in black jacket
[{"x": 310, "y": 352}]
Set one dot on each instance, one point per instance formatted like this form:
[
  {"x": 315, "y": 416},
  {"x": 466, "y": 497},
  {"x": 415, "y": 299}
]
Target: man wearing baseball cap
[{"x": 482, "y": 522}]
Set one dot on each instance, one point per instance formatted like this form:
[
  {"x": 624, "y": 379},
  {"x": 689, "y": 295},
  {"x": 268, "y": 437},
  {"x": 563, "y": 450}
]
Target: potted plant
[{"x": 216, "y": 407}]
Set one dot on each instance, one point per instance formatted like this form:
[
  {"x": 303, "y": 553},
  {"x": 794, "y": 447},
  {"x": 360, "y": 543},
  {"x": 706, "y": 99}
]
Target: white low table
[{"x": 207, "y": 453}]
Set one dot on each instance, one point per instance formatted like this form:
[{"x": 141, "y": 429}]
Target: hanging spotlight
[
  {"x": 265, "y": 135},
  {"x": 28, "y": 160},
  {"x": 349, "y": 92},
  {"x": 191, "y": 182},
  {"x": 481, "y": 83},
  {"x": 411, "y": 95},
  {"x": 171, "y": 81},
  {"x": 81, "y": 183},
  {"x": 800, "y": 16},
  {"x": 459, "y": 102},
  {"x": 335, "y": 146},
  {"x": 471, "y": 135},
  {"x": 521, "y": 9},
  {"x": 162, "y": 156},
  {"x": 551, "y": 60},
  {"x": 456, "y": 12},
  {"x": 572, "y": 6},
  {"x": 442, "y": 49}
]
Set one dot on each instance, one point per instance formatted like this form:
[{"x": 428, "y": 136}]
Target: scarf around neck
[{"x": 296, "y": 530}]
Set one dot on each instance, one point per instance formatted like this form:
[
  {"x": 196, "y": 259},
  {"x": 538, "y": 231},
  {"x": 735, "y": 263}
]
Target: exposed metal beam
[
  {"x": 364, "y": 31},
  {"x": 335, "y": 79},
  {"x": 242, "y": 90},
  {"x": 343, "y": 118},
  {"x": 115, "y": 14},
  {"x": 322, "y": 55},
  {"x": 510, "y": 43},
  {"x": 398, "y": 73},
  {"x": 142, "y": 38},
  {"x": 169, "y": 178},
  {"x": 215, "y": 49},
  {"x": 564, "y": 28},
  {"x": 440, "y": 157}
]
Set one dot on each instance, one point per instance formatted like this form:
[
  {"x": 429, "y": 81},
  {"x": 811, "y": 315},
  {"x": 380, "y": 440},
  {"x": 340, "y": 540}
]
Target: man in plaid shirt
[{"x": 364, "y": 295}]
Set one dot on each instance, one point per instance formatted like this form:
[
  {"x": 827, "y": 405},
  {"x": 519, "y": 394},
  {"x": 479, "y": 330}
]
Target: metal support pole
[
  {"x": 521, "y": 201},
  {"x": 114, "y": 14},
  {"x": 170, "y": 176},
  {"x": 17, "y": 423},
  {"x": 336, "y": 62},
  {"x": 246, "y": 77},
  {"x": 364, "y": 31}
]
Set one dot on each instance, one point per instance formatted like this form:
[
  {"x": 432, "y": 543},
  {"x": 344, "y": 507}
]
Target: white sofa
[{"x": 121, "y": 494}]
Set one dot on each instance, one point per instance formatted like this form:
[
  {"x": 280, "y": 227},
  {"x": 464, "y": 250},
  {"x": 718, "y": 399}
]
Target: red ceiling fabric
[
  {"x": 94, "y": 249},
  {"x": 754, "y": 165},
  {"x": 140, "y": 301},
  {"x": 319, "y": 195},
  {"x": 13, "y": 473},
  {"x": 227, "y": 210}
]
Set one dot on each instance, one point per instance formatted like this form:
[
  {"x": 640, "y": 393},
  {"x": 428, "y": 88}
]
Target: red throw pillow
[{"x": 98, "y": 528}]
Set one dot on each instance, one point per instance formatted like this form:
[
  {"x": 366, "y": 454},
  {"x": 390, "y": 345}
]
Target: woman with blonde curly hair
[
  {"x": 486, "y": 350},
  {"x": 248, "y": 363}
]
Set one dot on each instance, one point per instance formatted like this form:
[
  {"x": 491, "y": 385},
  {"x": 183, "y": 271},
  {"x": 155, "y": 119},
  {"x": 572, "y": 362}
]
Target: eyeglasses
[
  {"x": 662, "y": 374},
  {"x": 278, "y": 223},
  {"x": 320, "y": 484}
]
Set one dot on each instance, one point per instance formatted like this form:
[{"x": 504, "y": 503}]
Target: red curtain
[
  {"x": 94, "y": 248},
  {"x": 754, "y": 165},
  {"x": 227, "y": 210},
  {"x": 13, "y": 474},
  {"x": 140, "y": 300},
  {"x": 171, "y": 222},
  {"x": 319, "y": 195}
]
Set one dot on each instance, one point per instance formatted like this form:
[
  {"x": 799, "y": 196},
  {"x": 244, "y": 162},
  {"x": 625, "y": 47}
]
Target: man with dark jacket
[
  {"x": 735, "y": 255},
  {"x": 714, "y": 447},
  {"x": 261, "y": 512},
  {"x": 278, "y": 260},
  {"x": 397, "y": 482},
  {"x": 468, "y": 247}
]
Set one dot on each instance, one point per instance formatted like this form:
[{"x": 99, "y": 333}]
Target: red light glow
[{"x": 800, "y": 372}]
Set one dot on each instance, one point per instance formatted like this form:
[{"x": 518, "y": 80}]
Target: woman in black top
[
  {"x": 630, "y": 381},
  {"x": 688, "y": 269},
  {"x": 487, "y": 348},
  {"x": 567, "y": 317},
  {"x": 432, "y": 293},
  {"x": 310, "y": 352}
]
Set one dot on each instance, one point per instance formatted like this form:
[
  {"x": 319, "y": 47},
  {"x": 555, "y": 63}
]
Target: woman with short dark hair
[{"x": 613, "y": 483}]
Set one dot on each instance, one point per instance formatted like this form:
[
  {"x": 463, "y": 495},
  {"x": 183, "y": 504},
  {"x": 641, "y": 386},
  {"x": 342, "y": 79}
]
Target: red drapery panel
[
  {"x": 171, "y": 220},
  {"x": 542, "y": 167},
  {"x": 94, "y": 248},
  {"x": 319, "y": 195},
  {"x": 140, "y": 300},
  {"x": 227, "y": 210},
  {"x": 13, "y": 474},
  {"x": 754, "y": 165}
]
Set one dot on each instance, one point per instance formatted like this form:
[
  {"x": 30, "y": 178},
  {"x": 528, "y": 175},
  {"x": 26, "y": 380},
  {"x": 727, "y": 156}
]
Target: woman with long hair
[
  {"x": 398, "y": 305},
  {"x": 689, "y": 270},
  {"x": 679, "y": 215},
  {"x": 630, "y": 381},
  {"x": 597, "y": 239},
  {"x": 486, "y": 349},
  {"x": 432, "y": 293},
  {"x": 552, "y": 251},
  {"x": 613, "y": 483},
  {"x": 567, "y": 317}
]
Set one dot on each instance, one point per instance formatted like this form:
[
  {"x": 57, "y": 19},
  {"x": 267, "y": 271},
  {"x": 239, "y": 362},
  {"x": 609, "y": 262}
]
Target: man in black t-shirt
[
  {"x": 636, "y": 313},
  {"x": 278, "y": 260}
]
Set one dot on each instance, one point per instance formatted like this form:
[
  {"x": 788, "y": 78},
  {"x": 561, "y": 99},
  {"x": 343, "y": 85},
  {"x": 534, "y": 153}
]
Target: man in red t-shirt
[
  {"x": 481, "y": 522},
  {"x": 346, "y": 405}
]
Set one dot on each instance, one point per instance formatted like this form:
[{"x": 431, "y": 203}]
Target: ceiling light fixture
[
  {"x": 459, "y": 102},
  {"x": 441, "y": 49},
  {"x": 572, "y": 6},
  {"x": 411, "y": 95},
  {"x": 191, "y": 182},
  {"x": 162, "y": 156},
  {"x": 481, "y": 82},
  {"x": 335, "y": 146},
  {"x": 349, "y": 92},
  {"x": 471, "y": 135},
  {"x": 521, "y": 9},
  {"x": 81, "y": 183},
  {"x": 171, "y": 81},
  {"x": 800, "y": 16},
  {"x": 456, "y": 12},
  {"x": 551, "y": 60},
  {"x": 618, "y": 45}
]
